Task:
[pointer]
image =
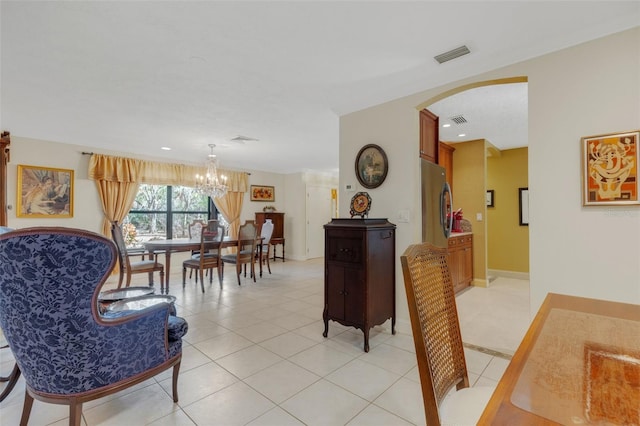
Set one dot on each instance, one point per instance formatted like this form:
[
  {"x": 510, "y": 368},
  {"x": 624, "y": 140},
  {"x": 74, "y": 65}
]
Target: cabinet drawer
[
  {"x": 344, "y": 247},
  {"x": 458, "y": 241}
]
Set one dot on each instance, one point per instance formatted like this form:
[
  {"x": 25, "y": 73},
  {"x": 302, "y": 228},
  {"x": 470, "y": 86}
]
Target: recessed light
[
  {"x": 462, "y": 135},
  {"x": 446, "y": 125},
  {"x": 165, "y": 148}
]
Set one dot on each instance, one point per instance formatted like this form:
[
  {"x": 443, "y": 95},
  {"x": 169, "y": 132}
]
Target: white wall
[
  {"x": 289, "y": 190},
  {"x": 589, "y": 89}
]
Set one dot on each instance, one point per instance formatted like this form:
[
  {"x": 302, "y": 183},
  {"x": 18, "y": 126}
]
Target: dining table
[
  {"x": 578, "y": 364},
  {"x": 181, "y": 245}
]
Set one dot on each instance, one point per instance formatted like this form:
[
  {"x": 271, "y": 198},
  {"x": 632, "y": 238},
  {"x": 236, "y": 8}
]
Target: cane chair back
[{"x": 436, "y": 335}]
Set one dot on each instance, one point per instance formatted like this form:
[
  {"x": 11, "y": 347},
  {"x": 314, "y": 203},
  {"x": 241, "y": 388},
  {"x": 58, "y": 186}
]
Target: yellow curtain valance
[{"x": 121, "y": 169}]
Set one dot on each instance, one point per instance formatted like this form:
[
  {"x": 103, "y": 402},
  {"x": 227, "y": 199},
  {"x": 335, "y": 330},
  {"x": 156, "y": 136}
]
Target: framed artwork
[
  {"x": 263, "y": 193},
  {"x": 610, "y": 169},
  {"x": 44, "y": 192},
  {"x": 523, "y": 201},
  {"x": 489, "y": 199},
  {"x": 371, "y": 166}
]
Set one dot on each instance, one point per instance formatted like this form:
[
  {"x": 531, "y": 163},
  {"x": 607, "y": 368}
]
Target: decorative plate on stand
[{"x": 360, "y": 204}]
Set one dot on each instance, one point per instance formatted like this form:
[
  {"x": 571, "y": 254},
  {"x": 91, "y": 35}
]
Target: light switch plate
[
  {"x": 479, "y": 217},
  {"x": 403, "y": 216}
]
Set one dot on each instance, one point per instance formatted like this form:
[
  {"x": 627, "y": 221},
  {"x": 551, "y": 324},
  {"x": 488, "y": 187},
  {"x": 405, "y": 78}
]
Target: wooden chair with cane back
[{"x": 437, "y": 339}]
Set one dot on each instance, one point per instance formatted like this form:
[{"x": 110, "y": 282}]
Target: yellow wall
[
  {"x": 468, "y": 192},
  {"x": 507, "y": 241}
]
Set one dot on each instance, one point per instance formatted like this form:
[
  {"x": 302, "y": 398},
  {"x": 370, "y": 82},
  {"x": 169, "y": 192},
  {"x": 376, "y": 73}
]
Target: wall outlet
[{"x": 349, "y": 187}]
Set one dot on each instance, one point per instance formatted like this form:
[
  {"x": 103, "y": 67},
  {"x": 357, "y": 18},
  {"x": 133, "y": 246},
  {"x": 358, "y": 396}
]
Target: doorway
[{"x": 479, "y": 115}]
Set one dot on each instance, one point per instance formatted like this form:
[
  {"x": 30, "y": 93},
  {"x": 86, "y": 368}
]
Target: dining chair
[
  {"x": 195, "y": 229},
  {"x": 128, "y": 267},
  {"x": 437, "y": 339},
  {"x": 245, "y": 251},
  {"x": 208, "y": 257},
  {"x": 262, "y": 249},
  {"x": 67, "y": 352}
]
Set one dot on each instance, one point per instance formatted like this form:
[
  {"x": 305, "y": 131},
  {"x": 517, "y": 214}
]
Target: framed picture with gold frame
[
  {"x": 610, "y": 169},
  {"x": 44, "y": 192},
  {"x": 263, "y": 193}
]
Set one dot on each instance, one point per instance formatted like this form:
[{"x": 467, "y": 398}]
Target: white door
[{"x": 318, "y": 214}]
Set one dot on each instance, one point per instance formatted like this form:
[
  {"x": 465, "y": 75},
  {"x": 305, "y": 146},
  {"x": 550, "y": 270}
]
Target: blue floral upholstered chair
[{"x": 67, "y": 352}]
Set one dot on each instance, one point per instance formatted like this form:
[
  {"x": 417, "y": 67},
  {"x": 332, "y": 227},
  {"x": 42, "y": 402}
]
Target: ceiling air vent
[
  {"x": 242, "y": 139},
  {"x": 452, "y": 54},
  {"x": 458, "y": 119}
]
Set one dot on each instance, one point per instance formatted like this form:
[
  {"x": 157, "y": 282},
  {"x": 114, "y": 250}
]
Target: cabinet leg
[
  {"x": 393, "y": 325},
  {"x": 325, "y": 317},
  {"x": 366, "y": 340}
]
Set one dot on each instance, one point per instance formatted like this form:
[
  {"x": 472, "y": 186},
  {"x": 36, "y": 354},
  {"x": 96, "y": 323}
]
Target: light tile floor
[{"x": 255, "y": 355}]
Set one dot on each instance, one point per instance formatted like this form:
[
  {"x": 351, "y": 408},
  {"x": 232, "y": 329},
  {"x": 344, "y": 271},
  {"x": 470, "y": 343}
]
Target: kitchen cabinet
[
  {"x": 429, "y": 136},
  {"x": 460, "y": 259},
  {"x": 359, "y": 276},
  {"x": 278, "y": 229}
]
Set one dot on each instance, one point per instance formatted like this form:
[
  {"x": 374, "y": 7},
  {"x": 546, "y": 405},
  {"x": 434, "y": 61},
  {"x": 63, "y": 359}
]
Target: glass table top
[
  {"x": 124, "y": 293},
  {"x": 138, "y": 303}
]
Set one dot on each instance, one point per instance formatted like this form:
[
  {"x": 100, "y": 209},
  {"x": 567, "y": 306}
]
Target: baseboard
[
  {"x": 493, "y": 273},
  {"x": 478, "y": 282}
]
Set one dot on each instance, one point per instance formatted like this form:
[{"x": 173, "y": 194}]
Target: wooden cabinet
[
  {"x": 359, "y": 276},
  {"x": 461, "y": 261},
  {"x": 278, "y": 229},
  {"x": 429, "y": 136},
  {"x": 445, "y": 159}
]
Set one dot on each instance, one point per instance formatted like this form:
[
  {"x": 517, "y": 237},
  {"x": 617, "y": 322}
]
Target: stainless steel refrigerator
[{"x": 437, "y": 202}]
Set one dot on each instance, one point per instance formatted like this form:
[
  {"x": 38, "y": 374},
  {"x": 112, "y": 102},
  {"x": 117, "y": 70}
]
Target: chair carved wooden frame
[
  {"x": 67, "y": 352},
  {"x": 263, "y": 249},
  {"x": 245, "y": 250},
  {"x": 208, "y": 257}
]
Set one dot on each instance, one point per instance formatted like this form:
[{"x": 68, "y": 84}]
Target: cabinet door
[
  {"x": 354, "y": 296},
  {"x": 335, "y": 291},
  {"x": 345, "y": 294},
  {"x": 429, "y": 136},
  {"x": 455, "y": 267},
  {"x": 467, "y": 259}
]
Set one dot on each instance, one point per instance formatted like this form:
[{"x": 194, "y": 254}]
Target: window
[{"x": 165, "y": 212}]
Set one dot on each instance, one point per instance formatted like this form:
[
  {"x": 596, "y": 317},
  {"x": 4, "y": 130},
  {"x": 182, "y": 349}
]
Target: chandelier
[{"x": 211, "y": 185}]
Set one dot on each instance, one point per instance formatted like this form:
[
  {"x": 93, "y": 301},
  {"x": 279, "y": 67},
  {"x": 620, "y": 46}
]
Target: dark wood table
[
  {"x": 181, "y": 245},
  {"x": 579, "y": 363}
]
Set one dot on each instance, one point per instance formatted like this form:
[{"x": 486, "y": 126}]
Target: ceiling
[{"x": 132, "y": 76}]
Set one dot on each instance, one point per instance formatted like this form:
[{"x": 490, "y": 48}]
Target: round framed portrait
[{"x": 371, "y": 166}]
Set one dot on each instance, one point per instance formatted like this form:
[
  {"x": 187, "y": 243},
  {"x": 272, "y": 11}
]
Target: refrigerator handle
[{"x": 446, "y": 226}]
